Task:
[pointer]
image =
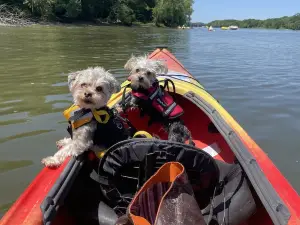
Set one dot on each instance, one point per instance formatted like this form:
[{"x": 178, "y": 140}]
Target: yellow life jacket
[
  {"x": 78, "y": 117},
  {"x": 110, "y": 128}
]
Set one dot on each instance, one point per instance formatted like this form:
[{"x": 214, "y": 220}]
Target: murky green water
[{"x": 254, "y": 74}]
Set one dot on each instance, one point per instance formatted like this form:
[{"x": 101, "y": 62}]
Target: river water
[{"x": 255, "y": 74}]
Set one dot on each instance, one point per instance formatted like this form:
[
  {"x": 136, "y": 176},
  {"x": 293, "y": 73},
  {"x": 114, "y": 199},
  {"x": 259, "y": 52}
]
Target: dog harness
[
  {"x": 110, "y": 128},
  {"x": 160, "y": 99}
]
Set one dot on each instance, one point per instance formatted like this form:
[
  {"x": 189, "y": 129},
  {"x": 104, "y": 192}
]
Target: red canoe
[{"x": 53, "y": 193}]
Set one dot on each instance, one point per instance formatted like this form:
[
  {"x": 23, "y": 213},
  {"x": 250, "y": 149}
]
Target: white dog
[
  {"x": 150, "y": 97},
  {"x": 92, "y": 122},
  {"x": 143, "y": 71}
]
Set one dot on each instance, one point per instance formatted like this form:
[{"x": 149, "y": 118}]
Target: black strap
[
  {"x": 166, "y": 85},
  {"x": 212, "y": 219},
  {"x": 167, "y": 81},
  {"x": 115, "y": 113},
  {"x": 70, "y": 130},
  {"x": 79, "y": 114},
  {"x": 123, "y": 103},
  {"x": 174, "y": 104}
]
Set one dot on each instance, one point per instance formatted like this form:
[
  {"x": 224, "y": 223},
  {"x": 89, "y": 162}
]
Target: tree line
[
  {"x": 169, "y": 13},
  {"x": 197, "y": 24},
  {"x": 286, "y": 22}
]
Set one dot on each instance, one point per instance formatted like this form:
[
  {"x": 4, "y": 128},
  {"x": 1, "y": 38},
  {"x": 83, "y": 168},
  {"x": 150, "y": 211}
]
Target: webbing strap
[{"x": 170, "y": 109}]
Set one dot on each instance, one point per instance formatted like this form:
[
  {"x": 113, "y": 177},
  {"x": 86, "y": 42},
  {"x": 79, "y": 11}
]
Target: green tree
[
  {"x": 121, "y": 12},
  {"x": 42, "y": 8},
  {"x": 172, "y": 13},
  {"x": 68, "y": 8}
]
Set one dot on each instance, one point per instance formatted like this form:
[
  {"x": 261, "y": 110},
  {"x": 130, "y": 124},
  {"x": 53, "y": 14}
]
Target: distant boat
[
  {"x": 224, "y": 28},
  {"x": 211, "y": 28},
  {"x": 233, "y": 27}
]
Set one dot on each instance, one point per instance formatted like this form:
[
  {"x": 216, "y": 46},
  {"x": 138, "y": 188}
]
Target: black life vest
[{"x": 110, "y": 128}]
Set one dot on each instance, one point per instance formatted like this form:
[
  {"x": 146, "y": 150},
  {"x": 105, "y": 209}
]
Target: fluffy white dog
[
  {"x": 151, "y": 98},
  {"x": 91, "y": 89},
  {"x": 143, "y": 71}
]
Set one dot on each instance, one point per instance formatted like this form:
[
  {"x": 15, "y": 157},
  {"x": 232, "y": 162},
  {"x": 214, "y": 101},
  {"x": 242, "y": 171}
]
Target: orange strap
[{"x": 167, "y": 173}]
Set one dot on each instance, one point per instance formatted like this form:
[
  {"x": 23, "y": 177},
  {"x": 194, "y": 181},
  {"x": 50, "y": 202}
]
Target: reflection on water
[
  {"x": 254, "y": 74},
  {"x": 11, "y": 165},
  {"x": 25, "y": 134}
]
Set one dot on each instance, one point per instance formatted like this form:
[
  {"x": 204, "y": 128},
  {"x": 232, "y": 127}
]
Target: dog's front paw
[
  {"x": 50, "y": 161},
  {"x": 63, "y": 142}
]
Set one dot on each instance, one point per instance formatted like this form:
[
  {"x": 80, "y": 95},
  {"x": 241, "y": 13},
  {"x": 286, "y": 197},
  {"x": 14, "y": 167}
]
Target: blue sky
[{"x": 208, "y": 10}]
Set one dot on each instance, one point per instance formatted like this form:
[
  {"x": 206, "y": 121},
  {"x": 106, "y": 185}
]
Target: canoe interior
[{"x": 81, "y": 204}]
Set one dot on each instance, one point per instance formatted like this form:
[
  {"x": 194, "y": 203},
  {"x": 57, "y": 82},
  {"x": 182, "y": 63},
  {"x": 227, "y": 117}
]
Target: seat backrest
[{"x": 126, "y": 166}]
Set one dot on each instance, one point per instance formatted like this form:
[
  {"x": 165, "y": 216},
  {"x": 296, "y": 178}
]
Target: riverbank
[
  {"x": 12, "y": 16},
  {"x": 17, "y": 18},
  {"x": 77, "y": 24},
  {"x": 125, "y": 13}
]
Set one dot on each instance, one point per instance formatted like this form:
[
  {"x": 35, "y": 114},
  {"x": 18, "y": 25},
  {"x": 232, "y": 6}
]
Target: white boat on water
[
  {"x": 233, "y": 27},
  {"x": 211, "y": 28}
]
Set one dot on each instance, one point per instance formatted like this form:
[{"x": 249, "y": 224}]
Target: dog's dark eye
[
  {"x": 137, "y": 70},
  {"x": 99, "y": 88},
  {"x": 148, "y": 73},
  {"x": 83, "y": 85}
]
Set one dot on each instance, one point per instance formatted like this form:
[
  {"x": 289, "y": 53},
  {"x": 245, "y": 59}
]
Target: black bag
[{"x": 232, "y": 201}]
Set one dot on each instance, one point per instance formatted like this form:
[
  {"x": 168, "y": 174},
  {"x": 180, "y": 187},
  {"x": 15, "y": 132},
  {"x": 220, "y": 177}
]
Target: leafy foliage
[
  {"x": 172, "y": 13},
  {"x": 41, "y": 8},
  {"x": 286, "y": 22},
  {"x": 168, "y": 12},
  {"x": 121, "y": 12}
]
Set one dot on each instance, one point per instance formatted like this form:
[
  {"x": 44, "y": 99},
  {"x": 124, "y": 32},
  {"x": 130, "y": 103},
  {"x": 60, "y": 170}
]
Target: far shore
[{"x": 261, "y": 28}]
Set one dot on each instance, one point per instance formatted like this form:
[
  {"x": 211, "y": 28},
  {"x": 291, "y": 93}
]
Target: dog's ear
[
  {"x": 161, "y": 67},
  {"x": 114, "y": 85},
  {"x": 72, "y": 78},
  {"x": 131, "y": 63}
]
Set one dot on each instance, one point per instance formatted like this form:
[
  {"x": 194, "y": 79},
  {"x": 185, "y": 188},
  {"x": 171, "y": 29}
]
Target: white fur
[
  {"x": 83, "y": 136},
  {"x": 143, "y": 71},
  {"x": 93, "y": 78}
]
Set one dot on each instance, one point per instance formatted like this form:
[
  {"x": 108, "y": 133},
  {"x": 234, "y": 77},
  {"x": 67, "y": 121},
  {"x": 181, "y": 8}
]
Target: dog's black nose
[
  {"x": 141, "y": 78},
  {"x": 87, "y": 95}
]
